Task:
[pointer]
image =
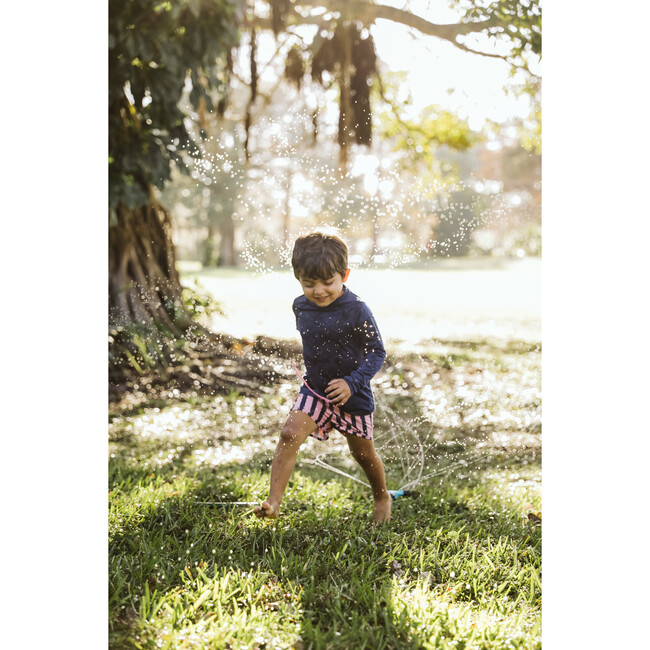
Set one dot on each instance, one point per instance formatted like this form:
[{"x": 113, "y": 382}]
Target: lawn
[
  {"x": 459, "y": 566},
  {"x": 451, "y": 299}
]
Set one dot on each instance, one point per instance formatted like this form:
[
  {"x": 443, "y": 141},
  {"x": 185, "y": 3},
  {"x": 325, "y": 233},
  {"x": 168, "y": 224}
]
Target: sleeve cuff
[{"x": 352, "y": 383}]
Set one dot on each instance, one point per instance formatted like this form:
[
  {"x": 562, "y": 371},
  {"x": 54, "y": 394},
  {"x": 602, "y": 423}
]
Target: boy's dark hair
[{"x": 319, "y": 255}]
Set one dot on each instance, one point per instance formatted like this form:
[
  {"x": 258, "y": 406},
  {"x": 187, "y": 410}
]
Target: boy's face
[{"x": 323, "y": 292}]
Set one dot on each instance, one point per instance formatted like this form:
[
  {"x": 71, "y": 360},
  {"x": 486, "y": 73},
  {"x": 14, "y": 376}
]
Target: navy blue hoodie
[{"x": 340, "y": 340}]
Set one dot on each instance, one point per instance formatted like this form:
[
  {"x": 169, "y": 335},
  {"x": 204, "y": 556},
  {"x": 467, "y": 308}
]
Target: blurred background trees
[
  {"x": 419, "y": 180},
  {"x": 235, "y": 125}
]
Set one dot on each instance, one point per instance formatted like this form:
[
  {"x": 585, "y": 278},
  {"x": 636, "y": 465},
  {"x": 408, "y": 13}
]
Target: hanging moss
[
  {"x": 294, "y": 66},
  {"x": 364, "y": 61},
  {"x": 314, "y": 123},
  {"x": 253, "y": 63},
  {"x": 279, "y": 10},
  {"x": 222, "y": 104},
  {"x": 329, "y": 55}
]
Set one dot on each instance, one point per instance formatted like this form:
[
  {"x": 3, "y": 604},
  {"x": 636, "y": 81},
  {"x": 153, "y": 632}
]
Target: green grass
[{"x": 458, "y": 567}]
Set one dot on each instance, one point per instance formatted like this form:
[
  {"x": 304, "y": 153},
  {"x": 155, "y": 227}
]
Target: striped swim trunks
[{"x": 329, "y": 416}]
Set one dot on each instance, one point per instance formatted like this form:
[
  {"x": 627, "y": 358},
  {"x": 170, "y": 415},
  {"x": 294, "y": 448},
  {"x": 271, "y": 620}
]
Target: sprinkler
[
  {"x": 396, "y": 494},
  {"x": 225, "y": 504}
]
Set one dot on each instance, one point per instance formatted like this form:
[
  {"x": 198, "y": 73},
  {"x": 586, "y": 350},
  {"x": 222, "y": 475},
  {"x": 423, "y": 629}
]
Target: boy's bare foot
[
  {"x": 382, "y": 509},
  {"x": 266, "y": 509}
]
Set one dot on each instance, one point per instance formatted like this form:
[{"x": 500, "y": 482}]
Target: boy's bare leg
[
  {"x": 364, "y": 453},
  {"x": 295, "y": 431}
]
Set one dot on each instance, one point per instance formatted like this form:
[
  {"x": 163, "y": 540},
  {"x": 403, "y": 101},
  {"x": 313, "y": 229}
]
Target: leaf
[
  {"x": 134, "y": 363},
  {"x": 202, "y": 598}
]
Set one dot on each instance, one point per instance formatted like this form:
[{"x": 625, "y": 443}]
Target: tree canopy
[{"x": 157, "y": 50}]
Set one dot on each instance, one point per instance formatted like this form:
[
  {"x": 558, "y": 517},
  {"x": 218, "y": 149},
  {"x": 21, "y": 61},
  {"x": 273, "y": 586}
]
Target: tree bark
[
  {"x": 154, "y": 340},
  {"x": 227, "y": 244},
  {"x": 144, "y": 285},
  {"x": 208, "y": 244}
]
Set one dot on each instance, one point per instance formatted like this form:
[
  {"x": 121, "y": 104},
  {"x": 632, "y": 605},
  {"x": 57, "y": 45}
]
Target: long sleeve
[
  {"x": 373, "y": 349},
  {"x": 340, "y": 341}
]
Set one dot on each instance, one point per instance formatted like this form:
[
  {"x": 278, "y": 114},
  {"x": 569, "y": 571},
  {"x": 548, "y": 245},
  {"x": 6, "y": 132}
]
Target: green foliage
[
  {"x": 434, "y": 126},
  {"x": 530, "y": 128},
  {"x": 156, "y": 49},
  {"x": 198, "y": 301},
  {"x": 519, "y": 22},
  {"x": 141, "y": 346},
  {"x": 424, "y": 145},
  {"x": 531, "y": 131},
  {"x": 420, "y": 138}
]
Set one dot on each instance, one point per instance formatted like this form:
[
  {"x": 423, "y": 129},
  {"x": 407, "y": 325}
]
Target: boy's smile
[{"x": 323, "y": 292}]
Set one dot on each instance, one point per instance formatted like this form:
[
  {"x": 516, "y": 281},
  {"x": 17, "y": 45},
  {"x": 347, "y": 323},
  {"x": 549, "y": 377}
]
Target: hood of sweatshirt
[{"x": 345, "y": 299}]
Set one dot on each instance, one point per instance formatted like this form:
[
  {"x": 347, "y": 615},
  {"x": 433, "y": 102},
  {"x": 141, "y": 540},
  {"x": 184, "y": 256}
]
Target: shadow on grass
[
  {"x": 345, "y": 568},
  {"x": 337, "y": 581}
]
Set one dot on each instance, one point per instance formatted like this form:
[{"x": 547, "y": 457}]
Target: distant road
[{"x": 457, "y": 299}]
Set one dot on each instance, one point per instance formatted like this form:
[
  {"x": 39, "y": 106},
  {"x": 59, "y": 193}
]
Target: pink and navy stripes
[{"x": 329, "y": 416}]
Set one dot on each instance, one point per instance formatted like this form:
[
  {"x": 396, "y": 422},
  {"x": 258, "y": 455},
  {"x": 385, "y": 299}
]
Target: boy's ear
[{"x": 345, "y": 276}]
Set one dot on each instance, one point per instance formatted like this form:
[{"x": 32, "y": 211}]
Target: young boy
[{"x": 342, "y": 350}]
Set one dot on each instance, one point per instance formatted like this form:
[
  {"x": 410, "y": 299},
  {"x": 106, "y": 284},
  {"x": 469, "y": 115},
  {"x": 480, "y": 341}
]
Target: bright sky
[
  {"x": 439, "y": 73},
  {"x": 469, "y": 85}
]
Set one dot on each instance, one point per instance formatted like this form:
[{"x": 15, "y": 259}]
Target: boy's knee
[{"x": 290, "y": 434}]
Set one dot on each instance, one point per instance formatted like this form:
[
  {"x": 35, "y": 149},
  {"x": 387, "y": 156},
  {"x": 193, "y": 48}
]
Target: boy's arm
[{"x": 374, "y": 352}]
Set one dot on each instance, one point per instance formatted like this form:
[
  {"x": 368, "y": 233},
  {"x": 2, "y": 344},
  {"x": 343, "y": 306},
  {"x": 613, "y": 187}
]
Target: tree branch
[
  {"x": 368, "y": 13},
  {"x": 460, "y": 46}
]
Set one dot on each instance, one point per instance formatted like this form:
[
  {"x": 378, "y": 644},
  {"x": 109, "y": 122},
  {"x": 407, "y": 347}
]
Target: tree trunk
[
  {"x": 144, "y": 286},
  {"x": 227, "y": 245},
  {"x": 345, "y": 110},
  {"x": 286, "y": 216},
  {"x": 154, "y": 340},
  {"x": 209, "y": 256}
]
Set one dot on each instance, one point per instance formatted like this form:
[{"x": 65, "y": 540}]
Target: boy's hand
[{"x": 338, "y": 391}]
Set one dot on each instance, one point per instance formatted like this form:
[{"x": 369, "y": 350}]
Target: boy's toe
[{"x": 265, "y": 509}]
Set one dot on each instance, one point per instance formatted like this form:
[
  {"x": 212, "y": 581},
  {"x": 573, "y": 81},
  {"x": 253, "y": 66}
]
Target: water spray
[
  {"x": 226, "y": 504},
  {"x": 395, "y": 494}
]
